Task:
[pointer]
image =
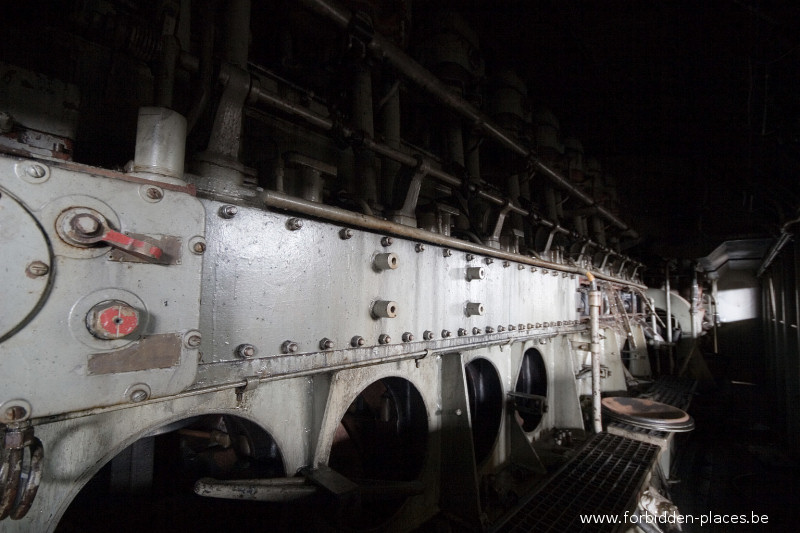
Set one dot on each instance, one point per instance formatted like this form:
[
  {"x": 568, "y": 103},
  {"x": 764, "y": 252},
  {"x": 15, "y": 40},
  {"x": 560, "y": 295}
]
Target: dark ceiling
[{"x": 693, "y": 106}]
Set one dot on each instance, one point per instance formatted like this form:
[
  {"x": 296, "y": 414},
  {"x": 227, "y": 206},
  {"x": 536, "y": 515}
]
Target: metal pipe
[
  {"x": 669, "y": 320},
  {"x": 653, "y": 317},
  {"x": 289, "y": 203},
  {"x": 595, "y": 301},
  {"x": 784, "y": 238},
  {"x": 386, "y": 50}
]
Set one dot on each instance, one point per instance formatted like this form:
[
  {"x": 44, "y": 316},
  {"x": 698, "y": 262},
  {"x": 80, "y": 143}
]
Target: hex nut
[
  {"x": 384, "y": 339},
  {"x": 506, "y": 264},
  {"x": 520, "y": 327},
  {"x": 294, "y": 224},
  {"x": 427, "y": 335},
  {"x": 386, "y": 261},
  {"x": 500, "y": 329},
  {"x": 470, "y": 257},
  {"x": 228, "y": 211},
  {"x": 408, "y": 336},
  {"x": 445, "y": 333},
  {"x": 476, "y": 331},
  {"x": 112, "y": 319},
  {"x": 489, "y": 329},
  {"x": 289, "y": 347},
  {"x": 475, "y": 273},
  {"x": 245, "y": 350},
  {"x": 530, "y": 326},
  {"x": 357, "y": 341},
  {"x": 345, "y": 233},
  {"x": 511, "y": 327},
  {"x": 384, "y": 309},
  {"x": 326, "y": 344},
  {"x": 488, "y": 260},
  {"x": 520, "y": 267},
  {"x": 386, "y": 241},
  {"x": 462, "y": 332},
  {"x": 419, "y": 247},
  {"x": 447, "y": 252},
  {"x": 475, "y": 309}
]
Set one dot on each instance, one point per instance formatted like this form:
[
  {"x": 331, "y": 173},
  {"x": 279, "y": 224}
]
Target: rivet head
[
  {"x": 357, "y": 341},
  {"x": 544, "y": 271},
  {"x": 228, "y": 211},
  {"x": 427, "y": 335},
  {"x": 384, "y": 339},
  {"x": 289, "y": 347},
  {"x": 345, "y": 233},
  {"x": 245, "y": 350},
  {"x": 37, "y": 269},
  {"x": 408, "y": 336},
  {"x": 294, "y": 224},
  {"x": 546, "y": 324}
]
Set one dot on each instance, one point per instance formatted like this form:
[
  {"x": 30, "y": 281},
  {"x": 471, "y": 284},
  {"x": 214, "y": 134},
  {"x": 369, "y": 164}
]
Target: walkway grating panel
[{"x": 604, "y": 477}]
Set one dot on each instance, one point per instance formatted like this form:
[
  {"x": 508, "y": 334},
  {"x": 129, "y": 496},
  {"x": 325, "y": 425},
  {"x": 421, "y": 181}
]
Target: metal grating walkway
[{"x": 604, "y": 477}]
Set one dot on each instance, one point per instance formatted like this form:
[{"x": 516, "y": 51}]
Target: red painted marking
[{"x": 118, "y": 322}]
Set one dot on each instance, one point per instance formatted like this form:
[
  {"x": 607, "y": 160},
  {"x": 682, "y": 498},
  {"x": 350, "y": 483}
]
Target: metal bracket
[
  {"x": 251, "y": 382},
  {"x": 407, "y": 215},
  {"x": 586, "y": 371}
]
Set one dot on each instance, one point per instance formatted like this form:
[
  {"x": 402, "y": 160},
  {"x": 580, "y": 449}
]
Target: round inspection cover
[
  {"x": 25, "y": 265},
  {"x": 647, "y": 414}
]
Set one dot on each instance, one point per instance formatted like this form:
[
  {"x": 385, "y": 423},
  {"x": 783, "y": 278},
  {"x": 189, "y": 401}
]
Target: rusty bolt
[
  {"x": 199, "y": 247},
  {"x": 500, "y": 329},
  {"x": 476, "y": 331},
  {"x": 470, "y": 257},
  {"x": 384, "y": 339},
  {"x": 37, "y": 269},
  {"x": 112, "y": 319},
  {"x": 488, "y": 260},
  {"x": 408, "y": 336},
  {"x": 427, "y": 335},
  {"x": 154, "y": 193},
  {"x": 138, "y": 395},
  {"x": 194, "y": 340},
  {"x": 245, "y": 350},
  {"x": 228, "y": 211},
  {"x": 289, "y": 347},
  {"x": 386, "y": 241},
  {"x": 36, "y": 171},
  {"x": 419, "y": 247},
  {"x": 16, "y": 412},
  {"x": 489, "y": 329},
  {"x": 357, "y": 341},
  {"x": 446, "y": 252},
  {"x": 326, "y": 344},
  {"x": 445, "y": 333},
  {"x": 85, "y": 224},
  {"x": 294, "y": 224},
  {"x": 462, "y": 332},
  {"x": 345, "y": 233}
]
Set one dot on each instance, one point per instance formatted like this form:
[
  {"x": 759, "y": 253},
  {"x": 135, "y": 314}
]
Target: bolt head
[
  {"x": 446, "y": 252},
  {"x": 37, "y": 269},
  {"x": 245, "y": 350},
  {"x": 419, "y": 247},
  {"x": 36, "y": 171},
  {"x": 408, "y": 337},
  {"x": 112, "y": 319},
  {"x": 154, "y": 193},
  {"x": 138, "y": 395},
  {"x": 199, "y": 247},
  {"x": 85, "y": 224},
  {"x": 520, "y": 267},
  {"x": 326, "y": 344},
  {"x": 489, "y": 329},
  {"x": 386, "y": 241},
  {"x": 500, "y": 329},
  {"x": 294, "y": 224},
  {"x": 193, "y": 341},
  {"x": 476, "y": 331},
  {"x": 445, "y": 333},
  {"x": 289, "y": 347},
  {"x": 511, "y": 327},
  {"x": 470, "y": 257},
  {"x": 427, "y": 335},
  {"x": 228, "y": 211},
  {"x": 489, "y": 260},
  {"x": 506, "y": 264},
  {"x": 357, "y": 341},
  {"x": 384, "y": 339},
  {"x": 16, "y": 412},
  {"x": 462, "y": 332},
  {"x": 345, "y": 233}
]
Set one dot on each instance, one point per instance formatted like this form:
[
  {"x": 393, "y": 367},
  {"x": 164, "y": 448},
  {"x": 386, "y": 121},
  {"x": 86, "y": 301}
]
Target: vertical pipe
[
  {"x": 715, "y": 314},
  {"x": 669, "y": 320},
  {"x": 655, "y": 330},
  {"x": 595, "y": 301}
]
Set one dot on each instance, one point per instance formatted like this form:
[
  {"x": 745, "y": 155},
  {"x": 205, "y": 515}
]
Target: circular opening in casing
[
  {"x": 381, "y": 439},
  {"x": 485, "y": 394},
  {"x": 149, "y": 485},
  {"x": 532, "y": 380}
]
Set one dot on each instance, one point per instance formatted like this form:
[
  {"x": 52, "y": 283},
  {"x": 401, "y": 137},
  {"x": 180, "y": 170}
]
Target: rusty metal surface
[{"x": 156, "y": 351}]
